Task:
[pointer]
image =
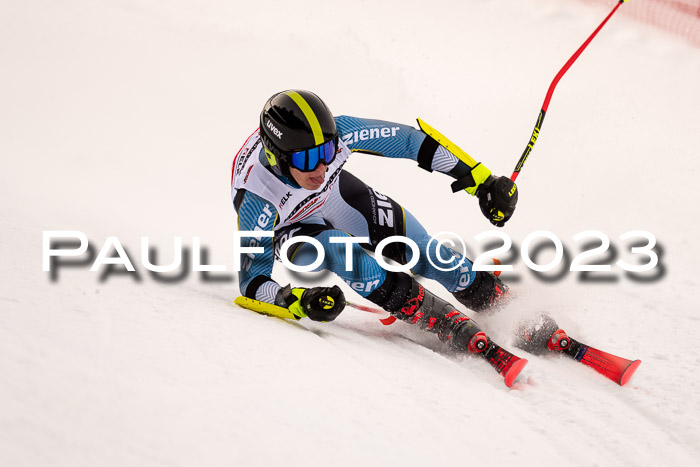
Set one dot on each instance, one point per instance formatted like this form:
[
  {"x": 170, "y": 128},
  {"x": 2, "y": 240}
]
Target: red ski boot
[{"x": 544, "y": 335}]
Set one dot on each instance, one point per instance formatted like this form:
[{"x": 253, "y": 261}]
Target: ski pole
[
  {"x": 550, "y": 91},
  {"x": 385, "y": 321},
  {"x": 368, "y": 309}
]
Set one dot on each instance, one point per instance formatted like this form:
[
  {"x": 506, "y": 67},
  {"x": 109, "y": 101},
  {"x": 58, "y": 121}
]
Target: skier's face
[{"x": 310, "y": 180}]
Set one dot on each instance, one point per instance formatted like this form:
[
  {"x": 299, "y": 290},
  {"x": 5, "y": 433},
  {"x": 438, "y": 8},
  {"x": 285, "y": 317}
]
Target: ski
[
  {"x": 611, "y": 366},
  {"x": 505, "y": 363},
  {"x": 545, "y": 336}
]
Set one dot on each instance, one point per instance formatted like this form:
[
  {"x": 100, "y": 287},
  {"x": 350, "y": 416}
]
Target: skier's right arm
[
  {"x": 316, "y": 303},
  {"x": 256, "y": 214}
]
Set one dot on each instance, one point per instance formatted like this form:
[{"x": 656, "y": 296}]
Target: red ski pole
[
  {"x": 385, "y": 321},
  {"x": 550, "y": 91}
]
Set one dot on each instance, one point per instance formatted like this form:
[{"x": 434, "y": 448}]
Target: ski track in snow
[{"x": 122, "y": 118}]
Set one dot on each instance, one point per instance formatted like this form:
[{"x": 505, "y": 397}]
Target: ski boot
[
  {"x": 409, "y": 301},
  {"x": 543, "y": 335},
  {"x": 486, "y": 293}
]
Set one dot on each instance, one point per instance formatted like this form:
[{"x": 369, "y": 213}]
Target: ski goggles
[{"x": 308, "y": 159}]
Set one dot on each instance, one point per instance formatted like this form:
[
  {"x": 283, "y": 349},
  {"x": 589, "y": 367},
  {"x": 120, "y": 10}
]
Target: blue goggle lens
[{"x": 308, "y": 159}]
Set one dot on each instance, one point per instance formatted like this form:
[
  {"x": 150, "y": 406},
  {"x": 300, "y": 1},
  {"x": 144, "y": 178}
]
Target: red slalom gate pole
[{"x": 550, "y": 91}]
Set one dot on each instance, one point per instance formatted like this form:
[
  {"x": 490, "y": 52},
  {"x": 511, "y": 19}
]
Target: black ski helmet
[{"x": 291, "y": 121}]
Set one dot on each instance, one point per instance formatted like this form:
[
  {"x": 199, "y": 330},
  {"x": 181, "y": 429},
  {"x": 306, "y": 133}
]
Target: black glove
[
  {"x": 497, "y": 199},
  {"x": 318, "y": 303}
]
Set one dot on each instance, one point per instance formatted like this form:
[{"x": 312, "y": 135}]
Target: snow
[{"x": 121, "y": 118}]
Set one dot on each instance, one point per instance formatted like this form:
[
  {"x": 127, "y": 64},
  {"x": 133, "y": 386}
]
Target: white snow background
[{"x": 121, "y": 118}]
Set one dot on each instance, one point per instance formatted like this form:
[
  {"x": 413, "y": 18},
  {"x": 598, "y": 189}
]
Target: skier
[{"x": 288, "y": 178}]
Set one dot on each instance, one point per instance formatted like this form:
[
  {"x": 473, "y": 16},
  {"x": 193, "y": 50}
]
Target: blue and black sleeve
[
  {"x": 256, "y": 213},
  {"x": 396, "y": 140}
]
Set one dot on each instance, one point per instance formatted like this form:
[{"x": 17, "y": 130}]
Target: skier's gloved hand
[
  {"x": 318, "y": 303},
  {"x": 497, "y": 199},
  {"x": 473, "y": 180}
]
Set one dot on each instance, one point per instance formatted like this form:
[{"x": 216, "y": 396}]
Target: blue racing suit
[{"x": 344, "y": 206}]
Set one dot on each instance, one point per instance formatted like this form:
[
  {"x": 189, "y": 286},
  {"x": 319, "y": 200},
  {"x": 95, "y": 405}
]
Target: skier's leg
[
  {"x": 477, "y": 290},
  {"x": 409, "y": 301},
  {"x": 364, "y": 274},
  {"x": 398, "y": 293},
  {"x": 362, "y": 211}
]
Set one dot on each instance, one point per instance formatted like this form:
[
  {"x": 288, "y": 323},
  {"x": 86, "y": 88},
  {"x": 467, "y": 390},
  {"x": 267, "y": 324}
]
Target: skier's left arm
[{"x": 497, "y": 196}]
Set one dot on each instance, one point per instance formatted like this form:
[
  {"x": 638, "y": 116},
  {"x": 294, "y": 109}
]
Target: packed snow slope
[{"x": 121, "y": 118}]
